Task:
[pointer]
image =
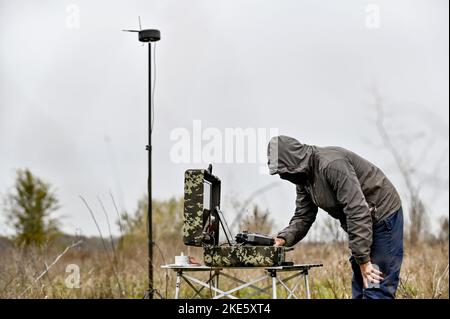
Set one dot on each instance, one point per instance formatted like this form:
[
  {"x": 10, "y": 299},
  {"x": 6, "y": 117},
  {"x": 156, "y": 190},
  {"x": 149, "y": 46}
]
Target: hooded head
[{"x": 289, "y": 158}]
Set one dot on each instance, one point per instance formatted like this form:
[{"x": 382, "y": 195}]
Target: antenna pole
[
  {"x": 149, "y": 181},
  {"x": 149, "y": 36}
]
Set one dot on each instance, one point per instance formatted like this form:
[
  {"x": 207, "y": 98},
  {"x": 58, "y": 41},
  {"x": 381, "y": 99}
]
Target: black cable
[
  {"x": 223, "y": 227},
  {"x": 152, "y": 95},
  {"x": 154, "y": 290},
  {"x": 210, "y": 270},
  {"x": 167, "y": 275},
  {"x": 225, "y": 223}
]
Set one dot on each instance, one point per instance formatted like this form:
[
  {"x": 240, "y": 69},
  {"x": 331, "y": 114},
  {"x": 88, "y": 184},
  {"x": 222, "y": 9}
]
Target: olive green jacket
[{"x": 345, "y": 185}]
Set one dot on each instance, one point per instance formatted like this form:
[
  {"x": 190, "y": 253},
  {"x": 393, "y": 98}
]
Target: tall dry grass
[
  {"x": 424, "y": 272},
  {"x": 118, "y": 269}
]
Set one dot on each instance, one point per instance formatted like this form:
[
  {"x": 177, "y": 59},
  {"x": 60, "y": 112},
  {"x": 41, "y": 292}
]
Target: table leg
[
  {"x": 308, "y": 294},
  {"x": 216, "y": 282},
  {"x": 178, "y": 284},
  {"x": 273, "y": 274}
]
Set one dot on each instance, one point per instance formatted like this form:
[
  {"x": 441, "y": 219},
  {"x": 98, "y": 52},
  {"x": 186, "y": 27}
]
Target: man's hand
[
  {"x": 279, "y": 242},
  {"x": 370, "y": 274},
  {"x": 193, "y": 261}
]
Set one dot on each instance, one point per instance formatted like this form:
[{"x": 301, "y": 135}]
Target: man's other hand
[
  {"x": 279, "y": 242},
  {"x": 370, "y": 274}
]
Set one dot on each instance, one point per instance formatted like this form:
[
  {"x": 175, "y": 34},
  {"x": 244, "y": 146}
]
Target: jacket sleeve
[
  {"x": 304, "y": 216},
  {"x": 342, "y": 178}
]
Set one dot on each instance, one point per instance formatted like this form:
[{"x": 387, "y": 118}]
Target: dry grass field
[
  {"x": 103, "y": 275},
  {"x": 118, "y": 268}
]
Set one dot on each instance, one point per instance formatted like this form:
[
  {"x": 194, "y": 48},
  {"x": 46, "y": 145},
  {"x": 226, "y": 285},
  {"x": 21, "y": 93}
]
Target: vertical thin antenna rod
[
  {"x": 149, "y": 36},
  {"x": 149, "y": 182}
]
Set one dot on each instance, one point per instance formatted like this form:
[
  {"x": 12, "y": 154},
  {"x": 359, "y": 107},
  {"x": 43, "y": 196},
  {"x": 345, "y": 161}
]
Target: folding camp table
[{"x": 215, "y": 272}]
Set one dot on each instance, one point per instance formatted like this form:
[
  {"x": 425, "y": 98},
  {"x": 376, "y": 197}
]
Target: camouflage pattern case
[
  {"x": 243, "y": 256},
  {"x": 201, "y": 226},
  {"x": 201, "y": 196}
]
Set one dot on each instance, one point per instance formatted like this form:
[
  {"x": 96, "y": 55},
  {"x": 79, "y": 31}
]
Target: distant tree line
[{"x": 30, "y": 205}]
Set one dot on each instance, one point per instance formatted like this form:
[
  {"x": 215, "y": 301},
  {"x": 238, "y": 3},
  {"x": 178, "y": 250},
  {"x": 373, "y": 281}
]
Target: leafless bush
[
  {"x": 257, "y": 221},
  {"x": 418, "y": 218}
]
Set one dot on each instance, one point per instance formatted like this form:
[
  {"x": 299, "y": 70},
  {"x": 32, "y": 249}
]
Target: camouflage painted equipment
[
  {"x": 243, "y": 256},
  {"x": 202, "y": 221},
  {"x": 198, "y": 208}
]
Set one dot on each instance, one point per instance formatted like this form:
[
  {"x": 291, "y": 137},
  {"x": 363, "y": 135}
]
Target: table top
[
  {"x": 294, "y": 267},
  {"x": 193, "y": 267}
]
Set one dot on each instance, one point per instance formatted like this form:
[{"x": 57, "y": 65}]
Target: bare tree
[
  {"x": 258, "y": 222},
  {"x": 241, "y": 207},
  {"x": 417, "y": 211},
  {"x": 444, "y": 230},
  {"x": 332, "y": 230}
]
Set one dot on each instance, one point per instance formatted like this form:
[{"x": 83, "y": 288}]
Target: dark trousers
[{"x": 386, "y": 253}]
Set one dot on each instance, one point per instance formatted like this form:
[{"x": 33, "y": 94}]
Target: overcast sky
[{"x": 73, "y": 91}]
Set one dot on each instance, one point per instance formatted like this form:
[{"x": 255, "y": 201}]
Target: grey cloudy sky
[{"x": 73, "y": 101}]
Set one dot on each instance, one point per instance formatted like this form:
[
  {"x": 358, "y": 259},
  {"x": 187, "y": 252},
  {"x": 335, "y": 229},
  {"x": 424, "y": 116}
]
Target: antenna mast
[{"x": 149, "y": 36}]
